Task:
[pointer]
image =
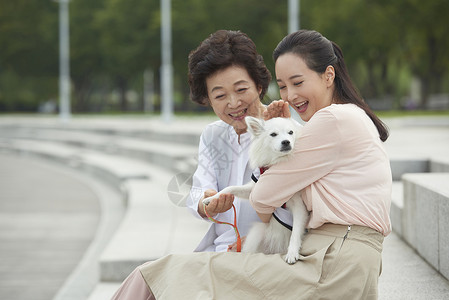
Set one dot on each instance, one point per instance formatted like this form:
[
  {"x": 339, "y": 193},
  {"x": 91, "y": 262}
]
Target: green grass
[
  {"x": 411, "y": 113},
  {"x": 193, "y": 114}
]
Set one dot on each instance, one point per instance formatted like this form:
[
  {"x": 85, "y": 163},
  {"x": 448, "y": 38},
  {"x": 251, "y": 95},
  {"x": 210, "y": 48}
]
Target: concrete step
[
  {"x": 144, "y": 128},
  {"x": 111, "y": 168},
  {"x": 174, "y": 156},
  {"x": 397, "y": 205},
  {"x": 173, "y": 147},
  {"x": 153, "y": 225},
  {"x": 426, "y": 217},
  {"x": 405, "y": 275}
]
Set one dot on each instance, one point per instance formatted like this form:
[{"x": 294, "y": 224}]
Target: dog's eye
[
  {"x": 290, "y": 132},
  {"x": 273, "y": 134}
]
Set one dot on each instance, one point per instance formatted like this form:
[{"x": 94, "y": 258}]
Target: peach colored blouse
[{"x": 341, "y": 168}]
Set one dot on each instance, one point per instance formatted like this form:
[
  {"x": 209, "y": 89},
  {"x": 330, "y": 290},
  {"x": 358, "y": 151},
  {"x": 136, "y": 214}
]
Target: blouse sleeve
[
  {"x": 316, "y": 151},
  {"x": 203, "y": 179}
]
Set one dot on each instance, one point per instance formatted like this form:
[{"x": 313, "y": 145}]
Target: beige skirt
[{"x": 335, "y": 264}]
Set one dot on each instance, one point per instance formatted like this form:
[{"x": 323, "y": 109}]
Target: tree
[
  {"x": 265, "y": 22},
  {"x": 424, "y": 28},
  {"x": 28, "y": 53},
  {"x": 130, "y": 40},
  {"x": 114, "y": 41},
  {"x": 86, "y": 57},
  {"x": 366, "y": 33}
]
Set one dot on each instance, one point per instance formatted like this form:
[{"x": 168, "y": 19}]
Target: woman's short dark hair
[
  {"x": 318, "y": 53},
  {"x": 220, "y": 50}
]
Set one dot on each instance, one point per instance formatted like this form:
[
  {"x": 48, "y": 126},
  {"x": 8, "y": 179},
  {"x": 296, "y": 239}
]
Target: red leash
[{"x": 239, "y": 240}]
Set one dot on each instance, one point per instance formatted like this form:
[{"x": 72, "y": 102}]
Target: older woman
[{"x": 227, "y": 73}]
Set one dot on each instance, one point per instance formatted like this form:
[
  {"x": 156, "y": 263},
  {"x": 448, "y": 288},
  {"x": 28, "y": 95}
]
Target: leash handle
[{"x": 239, "y": 240}]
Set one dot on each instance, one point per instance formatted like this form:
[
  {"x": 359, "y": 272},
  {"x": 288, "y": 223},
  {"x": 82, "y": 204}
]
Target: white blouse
[{"x": 222, "y": 161}]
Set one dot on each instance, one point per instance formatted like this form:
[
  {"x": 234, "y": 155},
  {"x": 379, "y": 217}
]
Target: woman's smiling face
[
  {"x": 304, "y": 89},
  {"x": 233, "y": 95}
]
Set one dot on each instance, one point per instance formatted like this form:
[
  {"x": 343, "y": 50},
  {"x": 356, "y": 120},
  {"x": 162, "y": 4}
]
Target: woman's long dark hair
[{"x": 318, "y": 53}]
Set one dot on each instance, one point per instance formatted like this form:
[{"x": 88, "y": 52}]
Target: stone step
[
  {"x": 152, "y": 226},
  {"x": 405, "y": 275},
  {"x": 146, "y": 128},
  {"x": 397, "y": 205},
  {"x": 174, "y": 156},
  {"x": 111, "y": 168},
  {"x": 167, "y": 147},
  {"x": 426, "y": 217}
]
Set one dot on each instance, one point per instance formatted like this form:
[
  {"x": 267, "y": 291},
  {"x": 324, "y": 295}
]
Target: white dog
[{"x": 272, "y": 142}]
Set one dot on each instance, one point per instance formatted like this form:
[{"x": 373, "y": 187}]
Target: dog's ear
[{"x": 255, "y": 126}]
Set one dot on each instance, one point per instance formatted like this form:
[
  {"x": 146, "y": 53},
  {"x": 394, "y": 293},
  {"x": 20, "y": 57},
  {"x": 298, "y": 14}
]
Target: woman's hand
[
  {"x": 222, "y": 204},
  {"x": 233, "y": 247},
  {"x": 277, "y": 108}
]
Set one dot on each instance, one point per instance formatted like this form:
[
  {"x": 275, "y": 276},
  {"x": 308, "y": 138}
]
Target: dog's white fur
[{"x": 272, "y": 142}]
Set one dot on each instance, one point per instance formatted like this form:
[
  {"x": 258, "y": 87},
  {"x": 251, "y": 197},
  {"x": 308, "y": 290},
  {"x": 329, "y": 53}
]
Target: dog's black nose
[{"x": 285, "y": 146}]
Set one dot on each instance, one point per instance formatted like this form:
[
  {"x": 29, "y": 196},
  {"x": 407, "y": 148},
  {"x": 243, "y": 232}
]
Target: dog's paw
[
  {"x": 207, "y": 200},
  {"x": 292, "y": 256},
  {"x": 291, "y": 259}
]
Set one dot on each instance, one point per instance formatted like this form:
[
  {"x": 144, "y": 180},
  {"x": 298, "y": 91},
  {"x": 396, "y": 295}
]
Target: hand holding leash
[{"x": 217, "y": 205}]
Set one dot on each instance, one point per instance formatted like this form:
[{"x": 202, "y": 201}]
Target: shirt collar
[{"x": 234, "y": 137}]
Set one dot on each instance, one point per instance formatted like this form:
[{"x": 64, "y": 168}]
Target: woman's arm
[
  {"x": 204, "y": 181},
  {"x": 205, "y": 184},
  {"x": 315, "y": 154},
  {"x": 265, "y": 217}
]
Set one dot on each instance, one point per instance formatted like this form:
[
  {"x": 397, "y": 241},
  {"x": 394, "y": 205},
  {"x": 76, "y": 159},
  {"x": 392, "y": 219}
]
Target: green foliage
[
  {"x": 28, "y": 54},
  {"x": 386, "y": 43},
  {"x": 112, "y": 42},
  {"x": 28, "y": 31},
  {"x": 25, "y": 93}
]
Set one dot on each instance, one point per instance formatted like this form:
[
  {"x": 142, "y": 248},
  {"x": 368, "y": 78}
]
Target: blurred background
[
  {"x": 81, "y": 203},
  {"x": 397, "y": 51}
]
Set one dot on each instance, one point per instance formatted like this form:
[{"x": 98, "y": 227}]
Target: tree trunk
[
  {"x": 425, "y": 91},
  {"x": 81, "y": 94},
  {"x": 371, "y": 86},
  {"x": 122, "y": 86}
]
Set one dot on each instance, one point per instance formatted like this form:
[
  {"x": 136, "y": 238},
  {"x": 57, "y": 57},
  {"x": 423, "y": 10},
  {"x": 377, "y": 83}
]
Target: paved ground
[
  {"x": 406, "y": 276},
  {"x": 49, "y": 216},
  {"x": 47, "y": 221},
  {"x": 418, "y": 137}
]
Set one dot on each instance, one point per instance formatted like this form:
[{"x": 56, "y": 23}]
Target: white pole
[
  {"x": 293, "y": 25},
  {"x": 293, "y": 15},
  {"x": 64, "y": 64},
  {"x": 166, "y": 68}
]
